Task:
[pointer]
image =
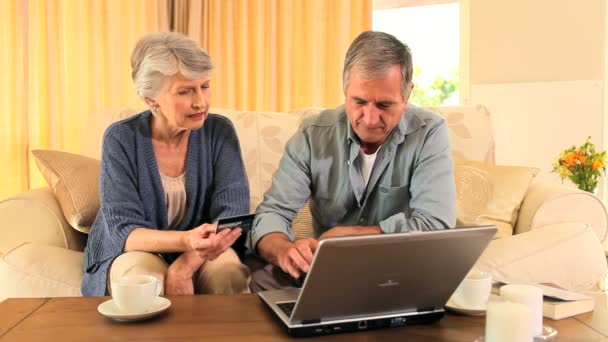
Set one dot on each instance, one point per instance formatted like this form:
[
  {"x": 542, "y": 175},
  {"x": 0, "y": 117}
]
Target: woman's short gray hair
[
  {"x": 158, "y": 56},
  {"x": 373, "y": 53}
]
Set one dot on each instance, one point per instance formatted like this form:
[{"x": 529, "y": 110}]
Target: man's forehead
[
  {"x": 368, "y": 72},
  {"x": 362, "y": 97}
]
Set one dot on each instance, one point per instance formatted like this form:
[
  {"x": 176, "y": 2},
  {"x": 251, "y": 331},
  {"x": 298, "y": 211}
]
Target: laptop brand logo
[{"x": 389, "y": 283}]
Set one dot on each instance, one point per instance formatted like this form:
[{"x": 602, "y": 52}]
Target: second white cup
[{"x": 474, "y": 291}]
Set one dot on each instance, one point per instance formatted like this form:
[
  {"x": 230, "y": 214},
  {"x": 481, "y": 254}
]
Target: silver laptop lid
[{"x": 372, "y": 275}]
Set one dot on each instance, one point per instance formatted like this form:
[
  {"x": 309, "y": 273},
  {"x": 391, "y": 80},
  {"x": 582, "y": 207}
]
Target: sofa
[{"x": 548, "y": 232}]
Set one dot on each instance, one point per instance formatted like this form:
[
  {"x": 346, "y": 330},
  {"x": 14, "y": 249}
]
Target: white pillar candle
[
  {"x": 530, "y": 296},
  {"x": 508, "y": 322}
]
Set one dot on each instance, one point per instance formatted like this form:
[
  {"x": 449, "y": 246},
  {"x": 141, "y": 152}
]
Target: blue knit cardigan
[{"x": 132, "y": 194}]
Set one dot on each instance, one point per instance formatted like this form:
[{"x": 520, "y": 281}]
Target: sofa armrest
[
  {"x": 568, "y": 255},
  {"x": 550, "y": 203},
  {"x": 38, "y": 270},
  {"x": 35, "y": 216}
]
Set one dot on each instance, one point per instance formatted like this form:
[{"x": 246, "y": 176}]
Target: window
[{"x": 431, "y": 28}]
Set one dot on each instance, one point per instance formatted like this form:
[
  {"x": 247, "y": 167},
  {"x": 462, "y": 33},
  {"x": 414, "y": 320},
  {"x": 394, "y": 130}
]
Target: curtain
[
  {"x": 275, "y": 55},
  {"x": 13, "y": 130},
  {"x": 64, "y": 61}
]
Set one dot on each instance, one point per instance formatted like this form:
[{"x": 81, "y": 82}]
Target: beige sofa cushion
[
  {"x": 490, "y": 194},
  {"x": 470, "y": 131},
  {"x": 74, "y": 180},
  {"x": 262, "y": 136}
]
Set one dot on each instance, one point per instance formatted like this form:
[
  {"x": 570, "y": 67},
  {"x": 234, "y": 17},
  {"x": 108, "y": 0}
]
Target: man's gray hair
[
  {"x": 373, "y": 53},
  {"x": 158, "y": 56}
]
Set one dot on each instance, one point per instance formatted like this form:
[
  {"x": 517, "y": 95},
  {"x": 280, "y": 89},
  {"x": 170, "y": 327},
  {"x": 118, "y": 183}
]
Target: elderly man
[{"x": 374, "y": 165}]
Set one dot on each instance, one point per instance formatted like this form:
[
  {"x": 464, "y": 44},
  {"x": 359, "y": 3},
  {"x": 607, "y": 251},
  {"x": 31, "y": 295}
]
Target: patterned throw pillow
[{"x": 490, "y": 194}]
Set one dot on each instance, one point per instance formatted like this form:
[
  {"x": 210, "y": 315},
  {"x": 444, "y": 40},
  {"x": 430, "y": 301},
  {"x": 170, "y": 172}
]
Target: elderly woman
[{"x": 166, "y": 174}]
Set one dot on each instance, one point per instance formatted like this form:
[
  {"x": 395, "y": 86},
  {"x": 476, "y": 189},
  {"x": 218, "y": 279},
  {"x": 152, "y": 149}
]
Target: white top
[
  {"x": 367, "y": 163},
  {"x": 175, "y": 198}
]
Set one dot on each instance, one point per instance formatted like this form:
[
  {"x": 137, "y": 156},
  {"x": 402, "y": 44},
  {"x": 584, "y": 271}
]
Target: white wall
[
  {"x": 539, "y": 67},
  {"x": 534, "y": 121},
  {"x": 536, "y": 40}
]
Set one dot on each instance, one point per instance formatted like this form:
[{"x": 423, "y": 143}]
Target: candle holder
[{"x": 548, "y": 334}]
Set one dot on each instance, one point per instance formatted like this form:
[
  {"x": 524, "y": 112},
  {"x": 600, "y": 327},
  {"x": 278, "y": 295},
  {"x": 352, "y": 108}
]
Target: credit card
[{"x": 243, "y": 221}]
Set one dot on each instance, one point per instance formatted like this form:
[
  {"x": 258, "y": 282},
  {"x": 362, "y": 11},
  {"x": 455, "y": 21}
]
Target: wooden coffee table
[{"x": 227, "y": 318}]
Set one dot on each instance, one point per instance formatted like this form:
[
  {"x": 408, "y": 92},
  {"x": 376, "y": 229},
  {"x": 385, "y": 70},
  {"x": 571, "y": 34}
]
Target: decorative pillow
[
  {"x": 490, "y": 194},
  {"x": 302, "y": 223},
  {"x": 74, "y": 180}
]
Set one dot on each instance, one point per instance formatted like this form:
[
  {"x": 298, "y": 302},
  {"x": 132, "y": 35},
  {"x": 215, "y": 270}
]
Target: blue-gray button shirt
[{"x": 411, "y": 187}]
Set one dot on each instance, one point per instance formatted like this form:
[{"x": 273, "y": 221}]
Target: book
[
  {"x": 557, "y": 309},
  {"x": 557, "y": 303}
]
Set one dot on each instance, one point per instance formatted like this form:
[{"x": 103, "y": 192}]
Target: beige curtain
[
  {"x": 63, "y": 61},
  {"x": 13, "y": 129},
  {"x": 274, "y": 54}
]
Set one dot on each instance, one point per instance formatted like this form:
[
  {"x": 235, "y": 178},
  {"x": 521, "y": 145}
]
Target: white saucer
[
  {"x": 451, "y": 306},
  {"x": 110, "y": 310}
]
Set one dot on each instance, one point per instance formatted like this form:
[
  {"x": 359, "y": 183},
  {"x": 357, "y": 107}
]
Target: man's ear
[{"x": 408, "y": 93}]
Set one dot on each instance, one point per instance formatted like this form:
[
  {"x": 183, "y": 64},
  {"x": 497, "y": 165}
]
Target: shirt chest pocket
[{"x": 393, "y": 200}]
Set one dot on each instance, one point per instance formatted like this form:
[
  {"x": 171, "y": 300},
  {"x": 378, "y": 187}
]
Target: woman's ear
[
  {"x": 152, "y": 104},
  {"x": 150, "y": 101}
]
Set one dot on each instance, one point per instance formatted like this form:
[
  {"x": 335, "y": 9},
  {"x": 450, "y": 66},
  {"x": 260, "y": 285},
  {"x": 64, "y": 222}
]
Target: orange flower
[
  {"x": 569, "y": 159},
  {"x": 596, "y": 165},
  {"x": 581, "y": 157}
]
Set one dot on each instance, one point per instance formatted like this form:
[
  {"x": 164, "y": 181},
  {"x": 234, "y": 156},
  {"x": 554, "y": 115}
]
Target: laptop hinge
[{"x": 310, "y": 321}]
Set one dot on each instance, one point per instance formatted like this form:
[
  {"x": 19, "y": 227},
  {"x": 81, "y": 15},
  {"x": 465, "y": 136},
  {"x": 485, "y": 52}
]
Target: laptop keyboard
[{"x": 287, "y": 307}]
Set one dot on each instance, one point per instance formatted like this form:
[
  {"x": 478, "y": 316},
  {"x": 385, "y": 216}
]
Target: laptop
[{"x": 377, "y": 281}]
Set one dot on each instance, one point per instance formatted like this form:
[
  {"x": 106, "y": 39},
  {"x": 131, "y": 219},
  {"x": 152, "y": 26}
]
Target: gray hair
[
  {"x": 373, "y": 53},
  {"x": 158, "y": 56}
]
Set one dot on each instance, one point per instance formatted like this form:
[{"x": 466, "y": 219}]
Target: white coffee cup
[
  {"x": 474, "y": 291},
  {"x": 135, "y": 293}
]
